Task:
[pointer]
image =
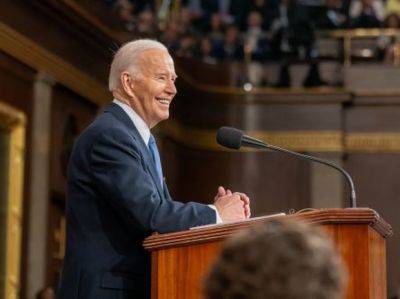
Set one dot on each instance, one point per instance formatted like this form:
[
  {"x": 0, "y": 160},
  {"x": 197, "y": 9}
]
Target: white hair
[{"x": 126, "y": 58}]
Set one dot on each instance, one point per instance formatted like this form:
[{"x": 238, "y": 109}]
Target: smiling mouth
[{"x": 163, "y": 101}]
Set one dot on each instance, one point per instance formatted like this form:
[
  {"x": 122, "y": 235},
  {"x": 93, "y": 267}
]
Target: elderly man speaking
[{"x": 116, "y": 192}]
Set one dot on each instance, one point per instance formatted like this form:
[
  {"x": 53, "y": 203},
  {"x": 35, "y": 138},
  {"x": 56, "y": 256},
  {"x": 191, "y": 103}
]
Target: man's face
[{"x": 154, "y": 88}]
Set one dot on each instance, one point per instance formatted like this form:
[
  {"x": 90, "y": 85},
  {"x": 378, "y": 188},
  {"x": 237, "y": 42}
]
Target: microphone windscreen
[{"x": 229, "y": 137}]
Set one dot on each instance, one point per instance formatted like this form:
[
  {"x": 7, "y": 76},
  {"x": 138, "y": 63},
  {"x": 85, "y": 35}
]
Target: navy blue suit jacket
[{"x": 115, "y": 200}]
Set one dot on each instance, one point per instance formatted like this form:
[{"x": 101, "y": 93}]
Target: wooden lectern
[{"x": 180, "y": 260}]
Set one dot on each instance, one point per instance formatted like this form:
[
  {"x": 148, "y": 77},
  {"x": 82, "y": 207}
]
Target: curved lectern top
[{"x": 221, "y": 231}]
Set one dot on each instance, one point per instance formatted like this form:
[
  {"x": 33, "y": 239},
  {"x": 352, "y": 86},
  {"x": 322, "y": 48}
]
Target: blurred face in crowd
[
  {"x": 206, "y": 46},
  {"x": 185, "y": 16},
  {"x": 153, "y": 88},
  {"x": 254, "y": 19},
  {"x": 126, "y": 10},
  {"x": 231, "y": 34},
  {"x": 367, "y": 3},
  {"x": 259, "y": 2},
  {"x": 187, "y": 42},
  {"x": 146, "y": 18},
  {"x": 216, "y": 23}
]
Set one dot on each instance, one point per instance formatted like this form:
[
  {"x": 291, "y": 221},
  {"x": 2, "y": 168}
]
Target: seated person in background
[
  {"x": 387, "y": 45},
  {"x": 279, "y": 260},
  {"x": 216, "y": 29},
  {"x": 206, "y": 51},
  {"x": 291, "y": 32},
  {"x": 187, "y": 46},
  {"x": 367, "y": 13},
  {"x": 232, "y": 46},
  {"x": 256, "y": 39}
]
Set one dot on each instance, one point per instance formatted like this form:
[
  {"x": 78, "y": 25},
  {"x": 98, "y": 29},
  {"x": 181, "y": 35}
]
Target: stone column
[{"x": 39, "y": 186}]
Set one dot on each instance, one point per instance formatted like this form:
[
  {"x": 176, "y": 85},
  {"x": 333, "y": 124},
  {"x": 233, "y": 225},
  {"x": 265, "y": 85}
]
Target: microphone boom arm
[{"x": 255, "y": 143}]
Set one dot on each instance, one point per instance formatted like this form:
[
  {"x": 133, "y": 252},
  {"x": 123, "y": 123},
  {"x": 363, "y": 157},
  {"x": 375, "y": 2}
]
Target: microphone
[{"x": 234, "y": 139}]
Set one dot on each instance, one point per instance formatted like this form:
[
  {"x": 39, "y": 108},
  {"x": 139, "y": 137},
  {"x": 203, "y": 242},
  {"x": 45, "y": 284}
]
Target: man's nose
[{"x": 171, "y": 89}]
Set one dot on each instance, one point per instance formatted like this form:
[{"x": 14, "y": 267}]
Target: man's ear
[{"x": 127, "y": 83}]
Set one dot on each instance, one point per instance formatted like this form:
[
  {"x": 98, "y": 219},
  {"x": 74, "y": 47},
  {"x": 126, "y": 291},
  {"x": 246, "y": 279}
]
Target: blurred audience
[
  {"x": 285, "y": 260},
  {"x": 258, "y": 30}
]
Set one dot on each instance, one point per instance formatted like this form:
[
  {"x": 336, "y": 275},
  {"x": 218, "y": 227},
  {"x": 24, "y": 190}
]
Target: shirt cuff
[{"x": 217, "y": 217}]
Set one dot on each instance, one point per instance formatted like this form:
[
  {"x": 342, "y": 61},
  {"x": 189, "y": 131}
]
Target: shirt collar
[{"x": 139, "y": 123}]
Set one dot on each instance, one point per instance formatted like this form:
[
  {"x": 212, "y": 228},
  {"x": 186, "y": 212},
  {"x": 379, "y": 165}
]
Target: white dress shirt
[
  {"x": 139, "y": 123},
  {"x": 144, "y": 132}
]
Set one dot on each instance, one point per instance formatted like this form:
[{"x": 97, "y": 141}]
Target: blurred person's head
[
  {"x": 280, "y": 260},
  {"x": 205, "y": 46},
  {"x": 126, "y": 10},
  {"x": 185, "y": 17},
  {"x": 259, "y": 2},
  {"x": 231, "y": 34},
  {"x": 392, "y": 21},
  {"x": 216, "y": 22},
  {"x": 367, "y": 4},
  {"x": 187, "y": 41},
  {"x": 146, "y": 22},
  {"x": 126, "y": 4},
  {"x": 254, "y": 20},
  {"x": 170, "y": 34},
  {"x": 175, "y": 23},
  {"x": 333, "y": 4},
  {"x": 187, "y": 45}
]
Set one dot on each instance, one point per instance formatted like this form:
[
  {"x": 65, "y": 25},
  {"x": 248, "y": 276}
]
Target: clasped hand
[{"x": 232, "y": 206}]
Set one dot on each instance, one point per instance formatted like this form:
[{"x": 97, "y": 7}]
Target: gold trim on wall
[
  {"x": 32, "y": 54},
  {"x": 303, "y": 141},
  {"x": 306, "y": 141},
  {"x": 376, "y": 142},
  {"x": 14, "y": 122}
]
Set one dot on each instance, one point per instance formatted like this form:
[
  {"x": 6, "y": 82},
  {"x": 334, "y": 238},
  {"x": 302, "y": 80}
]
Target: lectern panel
[{"x": 181, "y": 270}]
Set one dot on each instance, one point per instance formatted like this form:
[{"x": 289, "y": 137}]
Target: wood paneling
[
  {"x": 180, "y": 260},
  {"x": 182, "y": 269},
  {"x": 376, "y": 178},
  {"x": 70, "y": 115}
]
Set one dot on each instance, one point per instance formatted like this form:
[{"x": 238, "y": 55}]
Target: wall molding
[
  {"x": 13, "y": 122},
  {"x": 303, "y": 141},
  {"x": 373, "y": 142},
  {"x": 35, "y": 56}
]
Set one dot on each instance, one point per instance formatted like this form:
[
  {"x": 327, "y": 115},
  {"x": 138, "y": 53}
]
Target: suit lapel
[{"x": 120, "y": 114}]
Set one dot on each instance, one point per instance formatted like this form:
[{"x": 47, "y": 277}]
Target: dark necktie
[{"x": 156, "y": 157}]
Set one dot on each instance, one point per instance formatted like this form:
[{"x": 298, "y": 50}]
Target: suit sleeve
[{"x": 119, "y": 174}]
